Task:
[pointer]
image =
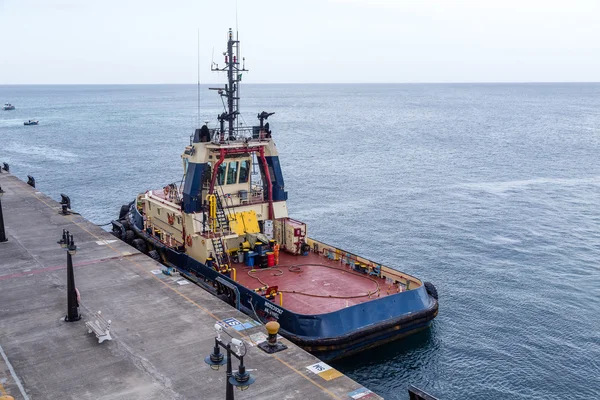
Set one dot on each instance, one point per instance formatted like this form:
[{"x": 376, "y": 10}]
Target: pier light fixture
[
  {"x": 63, "y": 241},
  {"x": 72, "y": 248},
  {"x": 67, "y": 243},
  {"x": 241, "y": 379},
  {"x": 216, "y": 358}
]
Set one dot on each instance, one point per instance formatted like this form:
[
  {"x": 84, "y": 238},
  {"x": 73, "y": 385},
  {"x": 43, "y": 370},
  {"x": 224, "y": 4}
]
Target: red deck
[{"x": 319, "y": 279}]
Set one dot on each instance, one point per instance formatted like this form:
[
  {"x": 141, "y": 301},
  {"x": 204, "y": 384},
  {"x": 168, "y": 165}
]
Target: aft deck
[{"x": 316, "y": 284}]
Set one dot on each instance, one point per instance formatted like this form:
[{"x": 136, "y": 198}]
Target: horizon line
[{"x": 308, "y": 83}]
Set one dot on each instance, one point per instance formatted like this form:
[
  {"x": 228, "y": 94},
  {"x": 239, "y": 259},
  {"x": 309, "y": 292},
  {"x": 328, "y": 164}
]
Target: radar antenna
[
  {"x": 234, "y": 77},
  {"x": 262, "y": 116},
  {"x": 198, "y": 118}
]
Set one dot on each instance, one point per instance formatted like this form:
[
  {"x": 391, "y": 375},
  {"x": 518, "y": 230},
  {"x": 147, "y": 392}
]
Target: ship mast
[{"x": 233, "y": 69}]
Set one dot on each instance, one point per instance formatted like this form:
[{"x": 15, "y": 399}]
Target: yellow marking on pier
[
  {"x": 4, "y": 395},
  {"x": 330, "y": 374}
]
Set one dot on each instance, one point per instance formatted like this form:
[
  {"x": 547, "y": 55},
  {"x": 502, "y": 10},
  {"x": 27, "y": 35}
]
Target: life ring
[
  {"x": 188, "y": 241},
  {"x": 171, "y": 218}
]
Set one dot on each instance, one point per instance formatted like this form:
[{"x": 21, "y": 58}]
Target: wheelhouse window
[
  {"x": 221, "y": 174},
  {"x": 232, "y": 172},
  {"x": 244, "y": 171}
]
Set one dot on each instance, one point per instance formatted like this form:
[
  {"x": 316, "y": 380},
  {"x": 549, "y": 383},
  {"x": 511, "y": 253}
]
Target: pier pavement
[{"x": 162, "y": 326}]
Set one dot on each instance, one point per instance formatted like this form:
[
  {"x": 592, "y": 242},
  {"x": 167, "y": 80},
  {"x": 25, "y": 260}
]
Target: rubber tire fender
[
  {"x": 125, "y": 223},
  {"x": 431, "y": 290},
  {"x": 140, "y": 245},
  {"x": 129, "y": 236},
  {"x": 154, "y": 255},
  {"x": 124, "y": 211}
]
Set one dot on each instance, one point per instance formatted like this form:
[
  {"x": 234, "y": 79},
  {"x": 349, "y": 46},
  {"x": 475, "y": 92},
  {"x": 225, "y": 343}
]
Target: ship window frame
[
  {"x": 272, "y": 175},
  {"x": 232, "y": 179},
  {"x": 247, "y": 163},
  {"x": 221, "y": 173}
]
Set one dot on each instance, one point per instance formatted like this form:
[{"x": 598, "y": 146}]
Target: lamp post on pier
[
  {"x": 67, "y": 243},
  {"x": 2, "y": 232},
  {"x": 241, "y": 379}
]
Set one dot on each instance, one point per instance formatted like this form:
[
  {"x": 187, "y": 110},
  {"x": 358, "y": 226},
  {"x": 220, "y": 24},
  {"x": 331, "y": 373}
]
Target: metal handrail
[{"x": 241, "y": 134}]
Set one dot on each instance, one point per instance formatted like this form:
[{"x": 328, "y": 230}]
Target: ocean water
[{"x": 490, "y": 191}]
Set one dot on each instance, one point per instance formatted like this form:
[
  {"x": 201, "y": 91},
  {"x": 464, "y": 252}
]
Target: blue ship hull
[{"x": 328, "y": 336}]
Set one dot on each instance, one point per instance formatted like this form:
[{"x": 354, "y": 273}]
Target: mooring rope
[{"x": 297, "y": 268}]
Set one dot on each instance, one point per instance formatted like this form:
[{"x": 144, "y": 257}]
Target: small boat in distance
[
  {"x": 31, "y": 122},
  {"x": 8, "y": 107}
]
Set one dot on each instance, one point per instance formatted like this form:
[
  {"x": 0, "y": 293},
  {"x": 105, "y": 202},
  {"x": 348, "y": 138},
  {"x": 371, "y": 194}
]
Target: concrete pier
[{"x": 162, "y": 326}]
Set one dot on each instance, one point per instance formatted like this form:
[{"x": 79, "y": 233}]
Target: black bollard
[
  {"x": 2, "y": 231},
  {"x": 31, "y": 181},
  {"x": 272, "y": 345},
  {"x": 64, "y": 199},
  {"x": 65, "y": 203}
]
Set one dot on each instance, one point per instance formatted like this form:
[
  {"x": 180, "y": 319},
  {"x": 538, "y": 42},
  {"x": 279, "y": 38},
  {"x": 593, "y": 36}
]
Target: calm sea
[{"x": 491, "y": 192}]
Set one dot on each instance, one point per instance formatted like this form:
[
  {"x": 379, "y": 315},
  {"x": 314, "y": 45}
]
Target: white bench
[{"x": 100, "y": 326}]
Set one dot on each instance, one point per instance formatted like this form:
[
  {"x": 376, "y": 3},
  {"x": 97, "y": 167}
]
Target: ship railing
[
  {"x": 208, "y": 234},
  {"x": 247, "y": 203},
  {"x": 256, "y": 196},
  {"x": 242, "y": 134},
  {"x": 391, "y": 275}
]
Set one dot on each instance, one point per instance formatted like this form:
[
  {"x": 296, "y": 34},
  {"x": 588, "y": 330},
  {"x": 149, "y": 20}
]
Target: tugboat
[
  {"x": 228, "y": 230},
  {"x": 31, "y": 122},
  {"x": 8, "y": 107}
]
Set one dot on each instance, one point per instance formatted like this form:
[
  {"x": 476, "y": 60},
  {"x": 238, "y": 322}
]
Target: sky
[{"x": 302, "y": 41}]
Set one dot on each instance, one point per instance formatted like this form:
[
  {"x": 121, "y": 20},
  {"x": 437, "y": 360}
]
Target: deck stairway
[
  {"x": 222, "y": 219},
  {"x": 221, "y": 255}
]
